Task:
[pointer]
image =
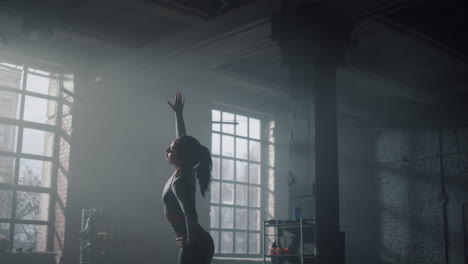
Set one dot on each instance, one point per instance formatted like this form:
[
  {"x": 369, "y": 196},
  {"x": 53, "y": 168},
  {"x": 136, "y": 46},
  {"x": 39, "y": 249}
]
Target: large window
[
  {"x": 35, "y": 130},
  {"x": 237, "y": 190}
]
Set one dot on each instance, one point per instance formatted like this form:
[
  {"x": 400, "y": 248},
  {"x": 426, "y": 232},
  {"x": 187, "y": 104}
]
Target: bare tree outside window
[{"x": 35, "y": 131}]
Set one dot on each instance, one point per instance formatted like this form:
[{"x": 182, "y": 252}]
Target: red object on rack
[
  {"x": 272, "y": 251},
  {"x": 279, "y": 251}
]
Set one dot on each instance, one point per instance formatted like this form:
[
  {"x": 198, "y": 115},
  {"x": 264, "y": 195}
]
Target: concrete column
[{"x": 312, "y": 43}]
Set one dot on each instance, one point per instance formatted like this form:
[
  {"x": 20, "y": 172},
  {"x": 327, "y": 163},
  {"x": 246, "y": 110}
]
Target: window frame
[
  {"x": 61, "y": 99},
  {"x": 264, "y": 166}
]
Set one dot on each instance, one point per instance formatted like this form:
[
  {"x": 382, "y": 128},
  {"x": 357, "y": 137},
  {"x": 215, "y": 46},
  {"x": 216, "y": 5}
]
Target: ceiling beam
[
  {"x": 424, "y": 39},
  {"x": 170, "y": 13},
  {"x": 205, "y": 45},
  {"x": 13, "y": 19}
]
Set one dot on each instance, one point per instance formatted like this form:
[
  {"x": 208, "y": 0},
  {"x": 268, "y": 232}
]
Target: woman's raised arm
[{"x": 178, "y": 108}]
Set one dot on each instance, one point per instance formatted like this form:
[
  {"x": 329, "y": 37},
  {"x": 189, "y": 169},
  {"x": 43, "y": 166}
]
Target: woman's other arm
[{"x": 185, "y": 194}]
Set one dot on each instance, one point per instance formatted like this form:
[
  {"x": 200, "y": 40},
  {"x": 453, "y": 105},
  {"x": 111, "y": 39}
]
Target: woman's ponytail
[{"x": 204, "y": 170}]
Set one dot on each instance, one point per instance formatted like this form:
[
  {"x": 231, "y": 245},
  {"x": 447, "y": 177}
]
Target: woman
[{"x": 190, "y": 159}]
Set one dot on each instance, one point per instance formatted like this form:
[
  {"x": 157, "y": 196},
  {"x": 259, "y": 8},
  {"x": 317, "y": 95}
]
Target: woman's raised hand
[{"x": 178, "y": 104}]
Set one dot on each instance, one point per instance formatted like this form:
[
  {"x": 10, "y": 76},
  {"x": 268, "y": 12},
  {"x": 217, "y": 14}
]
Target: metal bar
[
  {"x": 243, "y": 137},
  {"x": 302, "y": 196},
  {"x": 226, "y": 123},
  {"x": 443, "y": 193},
  {"x": 315, "y": 238},
  {"x": 10, "y": 89},
  {"x": 54, "y": 178},
  {"x": 19, "y": 146},
  {"x": 263, "y": 174},
  {"x": 7, "y": 67},
  {"x": 235, "y": 185},
  {"x": 220, "y": 141},
  {"x": 25, "y": 188},
  {"x": 292, "y": 225},
  {"x": 242, "y": 230},
  {"x": 234, "y": 159},
  {"x": 29, "y": 124},
  {"x": 276, "y": 235},
  {"x": 264, "y": 237},
  {"x": 302, "y": 241},
  {"x": 465, "y": 226},
  {"x": 25, "y": 156},
  {"x": 83, "y": 212},
  {"x": 23, "y": 221},
  {"x": 29, "y": 93},
  {"x": 248, "y": 181},
  {"x": 44, "y": 75},
  {"x": 242, "y": 183},
  {"x": 8, "y": 154}
]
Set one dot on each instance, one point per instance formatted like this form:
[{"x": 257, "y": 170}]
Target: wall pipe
[{"x": 444, "y": 197}]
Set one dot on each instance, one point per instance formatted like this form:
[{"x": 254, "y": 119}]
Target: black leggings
[{"x": 200, "y": 253}]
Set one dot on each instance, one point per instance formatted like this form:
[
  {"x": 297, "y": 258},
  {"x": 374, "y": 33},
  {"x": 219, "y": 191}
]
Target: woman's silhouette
[{"x": 191, "y": 160}]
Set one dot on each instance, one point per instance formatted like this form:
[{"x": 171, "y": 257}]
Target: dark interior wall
[
  {"x": 357, "y": 190},
  {"x": 391, "y": 200},
  {"x": 302, "y": 157},
  {"x": 456, "y": 173},
  {"x": 410, "y": 201}
]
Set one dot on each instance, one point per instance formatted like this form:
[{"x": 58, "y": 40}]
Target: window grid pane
[
  {"x": 6, "y": 197},
  {"x": 30, "y": 236},
  {"x": 215, "y": 236},
  {"x": 236, "y": 153},
  {"x": 227, "y": 217},
  {"x": 227, "y": 193},
  {"x": 227, "y": 170},
  {"x": 35, "y": 172},
  {"x": 215, "y": 192},
  {"x": 32, "y": 206},
  {"x": 37, "y": 142},
  {"x": 10, "y": 103},
  {"x": 241, "y": 242},
  {"x": 254, "y": 243},
  {"x": 216, "y": 168},
  {"x": 39, "y": 110},
  {"x": 216, "y": 118},
  {"x": 227, "y": 146},
  {"x": 214, "y": 217},
  {"x": 7, "y": 170},
  {"x": 227, "y": 239},
  {"x": 8, "y": 137},
  {"x": 228, "y": 123},
  {"x": 35, "y": 100},
  {"x": 5, "y": 230}
]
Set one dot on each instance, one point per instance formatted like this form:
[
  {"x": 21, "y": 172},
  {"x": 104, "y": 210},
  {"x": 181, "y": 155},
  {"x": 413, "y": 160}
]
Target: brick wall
[
  {"x": 409, "y": 201},
  {"x": 62, "y": 193},
  {"x": 62, "y": 177}
]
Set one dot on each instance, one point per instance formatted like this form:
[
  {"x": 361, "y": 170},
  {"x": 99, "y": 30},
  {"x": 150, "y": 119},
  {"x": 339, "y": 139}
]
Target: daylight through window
[
  {"x": 236, "y": 190},
  {"x": 35, "y": 130}
]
